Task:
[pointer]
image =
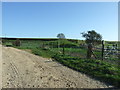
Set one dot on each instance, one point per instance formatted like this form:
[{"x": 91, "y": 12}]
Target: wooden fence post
[
  {"x": 63, "y": 45},
  {"x": 102, "y": 49}
]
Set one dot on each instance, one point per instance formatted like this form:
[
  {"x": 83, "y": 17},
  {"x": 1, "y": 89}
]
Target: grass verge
[{"x": 97, "y": 69}]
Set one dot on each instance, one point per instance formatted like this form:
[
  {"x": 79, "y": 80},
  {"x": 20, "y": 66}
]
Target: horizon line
[{"x": 47, "y": 38}]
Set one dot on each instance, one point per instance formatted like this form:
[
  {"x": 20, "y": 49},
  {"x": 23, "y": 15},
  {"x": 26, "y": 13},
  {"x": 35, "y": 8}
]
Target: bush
[{"x": 17, "y": 42}]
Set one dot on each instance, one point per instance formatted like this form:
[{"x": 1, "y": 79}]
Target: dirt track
[{"x": 24, "y": 70}]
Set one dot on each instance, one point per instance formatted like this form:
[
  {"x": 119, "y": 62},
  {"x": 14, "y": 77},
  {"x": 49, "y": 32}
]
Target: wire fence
[{"x": 111, "y": 52}]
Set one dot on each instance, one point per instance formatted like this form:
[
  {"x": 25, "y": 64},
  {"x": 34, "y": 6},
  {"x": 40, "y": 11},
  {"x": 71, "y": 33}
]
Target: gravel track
[{"x": 21, "y": 69}]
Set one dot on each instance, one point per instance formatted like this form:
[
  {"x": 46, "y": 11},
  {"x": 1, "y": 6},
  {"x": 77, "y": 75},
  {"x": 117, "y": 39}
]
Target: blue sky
[{"x": 47, "y": 19}]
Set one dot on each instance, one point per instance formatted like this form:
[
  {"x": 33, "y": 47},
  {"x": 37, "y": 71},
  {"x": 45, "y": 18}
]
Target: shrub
[{"x": 17, "y": 42}]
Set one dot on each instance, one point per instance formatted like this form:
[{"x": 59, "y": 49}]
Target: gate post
[{"x": 102, "y": 49}]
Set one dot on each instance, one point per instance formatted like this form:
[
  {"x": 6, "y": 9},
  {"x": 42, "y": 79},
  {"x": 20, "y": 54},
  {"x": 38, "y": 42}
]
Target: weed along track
[{"x": 25, "y": 70}]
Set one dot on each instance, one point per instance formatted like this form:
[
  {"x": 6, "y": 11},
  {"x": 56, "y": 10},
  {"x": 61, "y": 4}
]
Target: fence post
[
  {"x": 63, "y": 48},
  {"x": 102, "y": 49}
]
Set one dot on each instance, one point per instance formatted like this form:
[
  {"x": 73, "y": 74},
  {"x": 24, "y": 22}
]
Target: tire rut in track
[{"x": 16, "y": 76}]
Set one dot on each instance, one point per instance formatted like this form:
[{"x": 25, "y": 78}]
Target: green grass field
[
  {"x": 75, "y": 57},
  {"x": 98, "y": 69}
]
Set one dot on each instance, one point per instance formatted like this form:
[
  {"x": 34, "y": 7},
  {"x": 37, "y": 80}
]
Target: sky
[{"x": 47, "y": 19}]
